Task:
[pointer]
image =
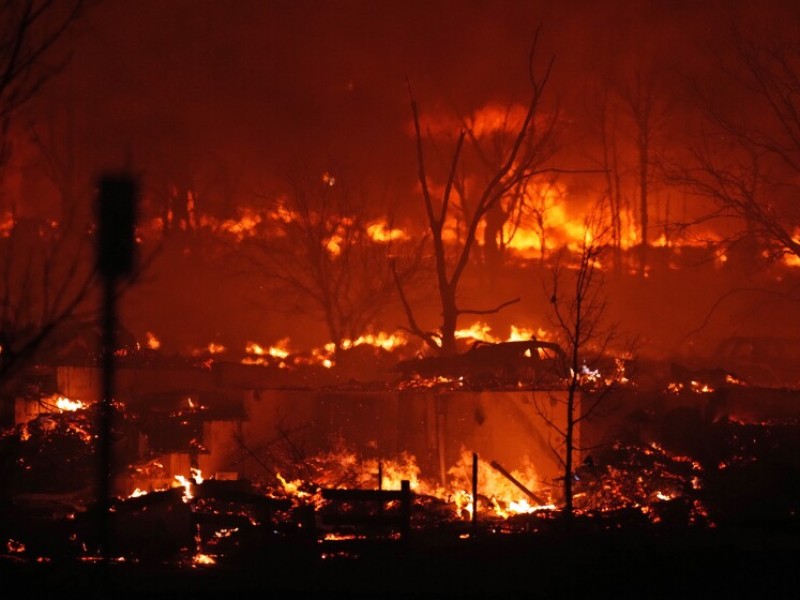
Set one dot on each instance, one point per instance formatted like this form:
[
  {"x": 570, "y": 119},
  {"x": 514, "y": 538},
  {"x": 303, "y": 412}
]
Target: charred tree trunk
[
  {"x": 492, "y": 239},
  {"x": 644, "y": 168}
]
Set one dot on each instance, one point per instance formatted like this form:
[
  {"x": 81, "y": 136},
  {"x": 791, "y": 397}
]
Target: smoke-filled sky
[{"x": 240, "y": 90}]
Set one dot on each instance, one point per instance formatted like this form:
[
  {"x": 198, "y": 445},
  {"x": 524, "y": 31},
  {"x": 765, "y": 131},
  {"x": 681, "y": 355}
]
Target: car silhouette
[{"x": 526, "y": 361}]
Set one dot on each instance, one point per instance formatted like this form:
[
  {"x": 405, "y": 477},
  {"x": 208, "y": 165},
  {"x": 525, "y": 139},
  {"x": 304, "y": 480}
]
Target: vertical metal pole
[
  {"x": 474, "y": 492},
  {"x": 380, "y": 475}
]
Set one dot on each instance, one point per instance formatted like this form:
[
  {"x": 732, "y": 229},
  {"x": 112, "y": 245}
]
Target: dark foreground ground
[{"x": 753, "y": 561}]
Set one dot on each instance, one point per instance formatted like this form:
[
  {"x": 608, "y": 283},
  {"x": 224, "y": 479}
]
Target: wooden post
[
  {"x": 474, "y": 492},
  {"x": 380, "y": 486},
  {"x": 405, "y": 507},
  {"x": 441, "y": 430}
]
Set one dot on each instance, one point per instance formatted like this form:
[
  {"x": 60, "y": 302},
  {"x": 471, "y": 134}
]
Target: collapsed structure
[{"x": 206, "y": 451}]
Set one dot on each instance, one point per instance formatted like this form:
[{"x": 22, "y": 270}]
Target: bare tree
[
  {"x": 640, "y": 101},
  {"x": 321, "y": 254},
  {"x": 39, "y": 289},
  {"x": 29, "y": 29},
  {"x": 604, "y": 115},
  {"x": 747, "y": 161},
  {"x": 519, "y": 162},
  {"x": 578, "y": 302},
  {"x": 490, "y": 146}
]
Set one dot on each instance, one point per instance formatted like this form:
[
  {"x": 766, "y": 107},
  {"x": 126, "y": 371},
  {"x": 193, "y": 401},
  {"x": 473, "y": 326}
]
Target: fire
[
  {"x": 525, "y": 333},
  {"x": 257, "y": 354},
  {"x": 245, "y": 226},
  {"x": 480, "y": 331},
  {"x": 790, "y": 259},
  {"x": 730, "y": 379},
  {"x": 212, "y": 348},
  {"x": 504, "y": 496},
  {"x": 387, "y": 341},
  {"x": 291, "y": 488},
  {"x": 380, "y": 231},
  {"x": 476, "y": 331},
  {"x": 641, "y": 477},
  {"x": 153, "y": 343},
  {"x": 322, "y": 357},
  {"x": 280, "y": 353},
  {"x": 490, "y": 119},
  {"x": 334, "y": 244},
  {"x": 701, "y": 388},
  {"x": 280, "y": 349},
  {"x": 255, "y": 348},
  {"x": 697, "y": 387},
  {"x": 204, "y": 559},
  {"x": 283, "y": 214},
  {"x": 345, "y": 468},
  {"x": 339, "y": 236},
  {"x": 494, "y": 118},
  {"x": 187, "y": 483},
  {"x": 64, "y": 404},
  {"x": 7, "y": 224},
  {"x": 393, "y": 472}
]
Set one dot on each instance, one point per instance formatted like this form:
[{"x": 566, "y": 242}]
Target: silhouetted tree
[
  {"x": 630, "y": 116},
  {"x": 639, "y": 99},
  {"x": 747, "y": 159},
  {"x": 29, "y": 29},
  {"x": 604, "y": 119},
  {"x": 325, "y": 250},
  {"x": 578, "y": 301},
  {"x": 511, "y": 168},
  {"x": 40, "y": 289}
]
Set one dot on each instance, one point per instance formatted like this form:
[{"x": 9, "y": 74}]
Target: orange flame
[
  {"x": 7, "y": 224},
  {"x": 380, "y": 231},
  {"x": 245, "y": 226},
  {"x": 481, "y": 331},
  {"x": 152, "y": 341}
]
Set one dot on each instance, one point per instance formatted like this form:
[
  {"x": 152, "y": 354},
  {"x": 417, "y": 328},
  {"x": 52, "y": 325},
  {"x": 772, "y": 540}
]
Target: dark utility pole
[{"x": 116, "y": 221}]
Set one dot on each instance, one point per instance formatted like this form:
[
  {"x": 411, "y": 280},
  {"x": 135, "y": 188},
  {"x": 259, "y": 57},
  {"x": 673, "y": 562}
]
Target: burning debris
[
  {"x": 340, "y": 493},
  {"x": 331, "y": 514}
]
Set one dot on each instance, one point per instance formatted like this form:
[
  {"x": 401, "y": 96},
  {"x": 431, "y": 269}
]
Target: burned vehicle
[
  {"x": 533, "y": 363},
  {"x": 762, "y": 361}
]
